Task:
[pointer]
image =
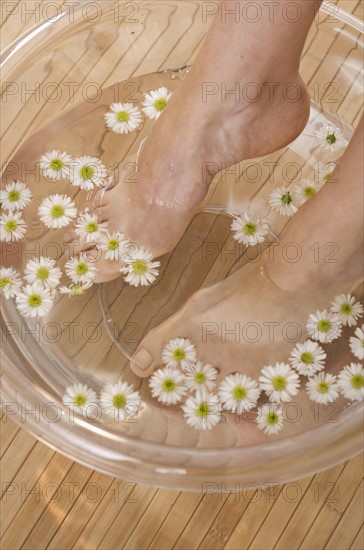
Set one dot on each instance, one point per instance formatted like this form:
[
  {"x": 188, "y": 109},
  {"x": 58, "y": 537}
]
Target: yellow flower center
[
  {"x": 203, "y": 410},
  {"x": 119, "y": 401},
  {"x": 56, "y": 164},
  {"x": 57, "y": 211},
  {"x": 122, "y": 116},
  {"x": 13, "y": 196},
  {"x": 11, "y": 226},
  {"x": 160, "y": 104},
  {"x": 34, "y": 300},
  {"x": 87, "y": 172}
]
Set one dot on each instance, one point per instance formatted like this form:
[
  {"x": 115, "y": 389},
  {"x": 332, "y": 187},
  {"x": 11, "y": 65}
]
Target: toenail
[{"x": 142, "y": 359}]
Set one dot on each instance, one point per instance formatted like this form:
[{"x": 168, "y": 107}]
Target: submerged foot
[
  {"x": 154, "y": 202},
  {"x": 240, "y": 324}
]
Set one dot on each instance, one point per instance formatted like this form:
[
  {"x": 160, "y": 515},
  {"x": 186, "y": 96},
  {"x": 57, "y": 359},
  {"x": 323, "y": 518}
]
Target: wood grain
[{"x": 48, "y": 501}]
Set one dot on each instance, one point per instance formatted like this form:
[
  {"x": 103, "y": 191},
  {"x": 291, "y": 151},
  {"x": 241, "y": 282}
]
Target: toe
[{"x": 148, "y": 356}]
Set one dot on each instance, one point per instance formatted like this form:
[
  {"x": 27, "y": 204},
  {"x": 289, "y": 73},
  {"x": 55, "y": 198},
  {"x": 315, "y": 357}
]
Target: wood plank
[{"x": 345, "y": 532}]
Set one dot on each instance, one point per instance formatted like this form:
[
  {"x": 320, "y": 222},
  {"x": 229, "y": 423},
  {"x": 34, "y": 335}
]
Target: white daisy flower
[
  {"x": 55, "y": 165},
  {"x": 200, "y": 376},
  {"x": 281, "y": 201},
  {"x": 78, "y": 397},
  {"x": 140, "y": 269},
  {"x": 88, "y": 173},
  {"x": 351, "y": 382},
  {"x": 179, "y": 352},
  {"x": 10, "y": 282},
  {"x": 239, "y": 393},
  {"x": 331, "y": 138},
  {"x": 347, "y": 309},
  {"x": 75, "y": 289},
  {"x": 15, "y": 196},
  {"x": 119, "y": 400},
  {"x": 324, "y": 326},
  {"x": 357, "y": 343},
  {"x": 324, "y": 172},
  {"x": 323, "y": 388},
  {"x": 280, "y": 382},
  {"x": 305, "y": 190},
  {"x": 308, "y": 358},
  {"x": 44, "y": 271},
  {"x": 88, "y": 228},
  {"x": 12, "y": 227},
  {"x": 250, "y": 229},
  {"x": 34, "y": 300},
  {"x": 113, "y": 245},
  {"x": 81, "y": 269},
  {"x": 57, "y": 211},
  {"x": 270, "y": 418},
  {"x": 168, "y": 386},
  {"x": 155, "y": 102},
  {"x": 123, "y": 118},
  {"x": 202, "y": 411}
]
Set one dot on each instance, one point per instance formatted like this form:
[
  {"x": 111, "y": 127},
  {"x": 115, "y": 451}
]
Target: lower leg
[{"x": 333, "y": 220}]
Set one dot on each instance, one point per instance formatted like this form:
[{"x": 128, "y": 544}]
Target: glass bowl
[{"x": 58, "y": 80}]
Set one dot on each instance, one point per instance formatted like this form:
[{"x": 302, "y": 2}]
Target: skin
[{"x": 158, "y": 207}]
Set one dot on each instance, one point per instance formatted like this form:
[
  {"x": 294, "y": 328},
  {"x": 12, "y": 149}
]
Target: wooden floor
[{"x": 48, "y": 501}]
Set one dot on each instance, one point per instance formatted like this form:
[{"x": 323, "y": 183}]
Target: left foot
[{"x": 240, "y": 324}]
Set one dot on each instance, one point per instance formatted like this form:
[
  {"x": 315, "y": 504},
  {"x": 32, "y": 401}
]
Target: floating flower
[
  {"x": 305, "y": 190},
  {"x": 34, "y": 300},
  {"x": 324, "y": 326},
  {"x": 324, "y": 172},
  {"x": 351, "y": 382},
  {"x": 200, "y": 376},
  {"x": 202, "y": 411},
  {"x": 179, "y": 352},
  {"x": 250, "y": 229},
  {"x": 119, "y": 400},
  {"x": 270, "y": 418},
  {"x": 81, "y": 270},
  {"x": 44, "y": 271},
  {"x": 140, "y": 269},
  {"x": 239, "y": 393},
  {"x": 15, "y": 196},
  {"x": 88, "y": 173},
  {"x": 57, "y": 211},
  {"x": 168, "y": 386},
  {"x": 357, "y": 343},
  {"x": 88, "y": 228},
  {"x": 123, "y": 118},
  {"x": 347, "y": 309},
  {"x": 331, "y": 138},
  {"x": 78, "y": 397},
  {"x": 75, "y": 289},
  {"x": 155, "y": 102},
  {"x": 281, "y": 201},
  {"x": 280, "y": 382},
  {"x": 308, "y": 358},
  {"x": 322, "y": 388},
  {"x": 10, "y": 282},
  {"x": 12, "y": 227},
  {"x": 55, "y": 165},
  {"x": 113, "y": 245}
]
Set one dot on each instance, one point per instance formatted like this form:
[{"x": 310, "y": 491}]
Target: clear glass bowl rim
[{"x": 321, "y": 439}]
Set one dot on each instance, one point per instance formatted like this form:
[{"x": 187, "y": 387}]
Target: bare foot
[
  {"x": 240, "y": 324},
  {"x": 154, "y": 206}
]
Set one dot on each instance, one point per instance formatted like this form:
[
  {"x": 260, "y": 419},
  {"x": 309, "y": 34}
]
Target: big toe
[{"x": 148, "y": 356}]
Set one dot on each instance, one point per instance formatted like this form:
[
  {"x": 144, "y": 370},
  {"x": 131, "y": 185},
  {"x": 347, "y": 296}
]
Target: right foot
[{"x": 172, "y": 182}]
